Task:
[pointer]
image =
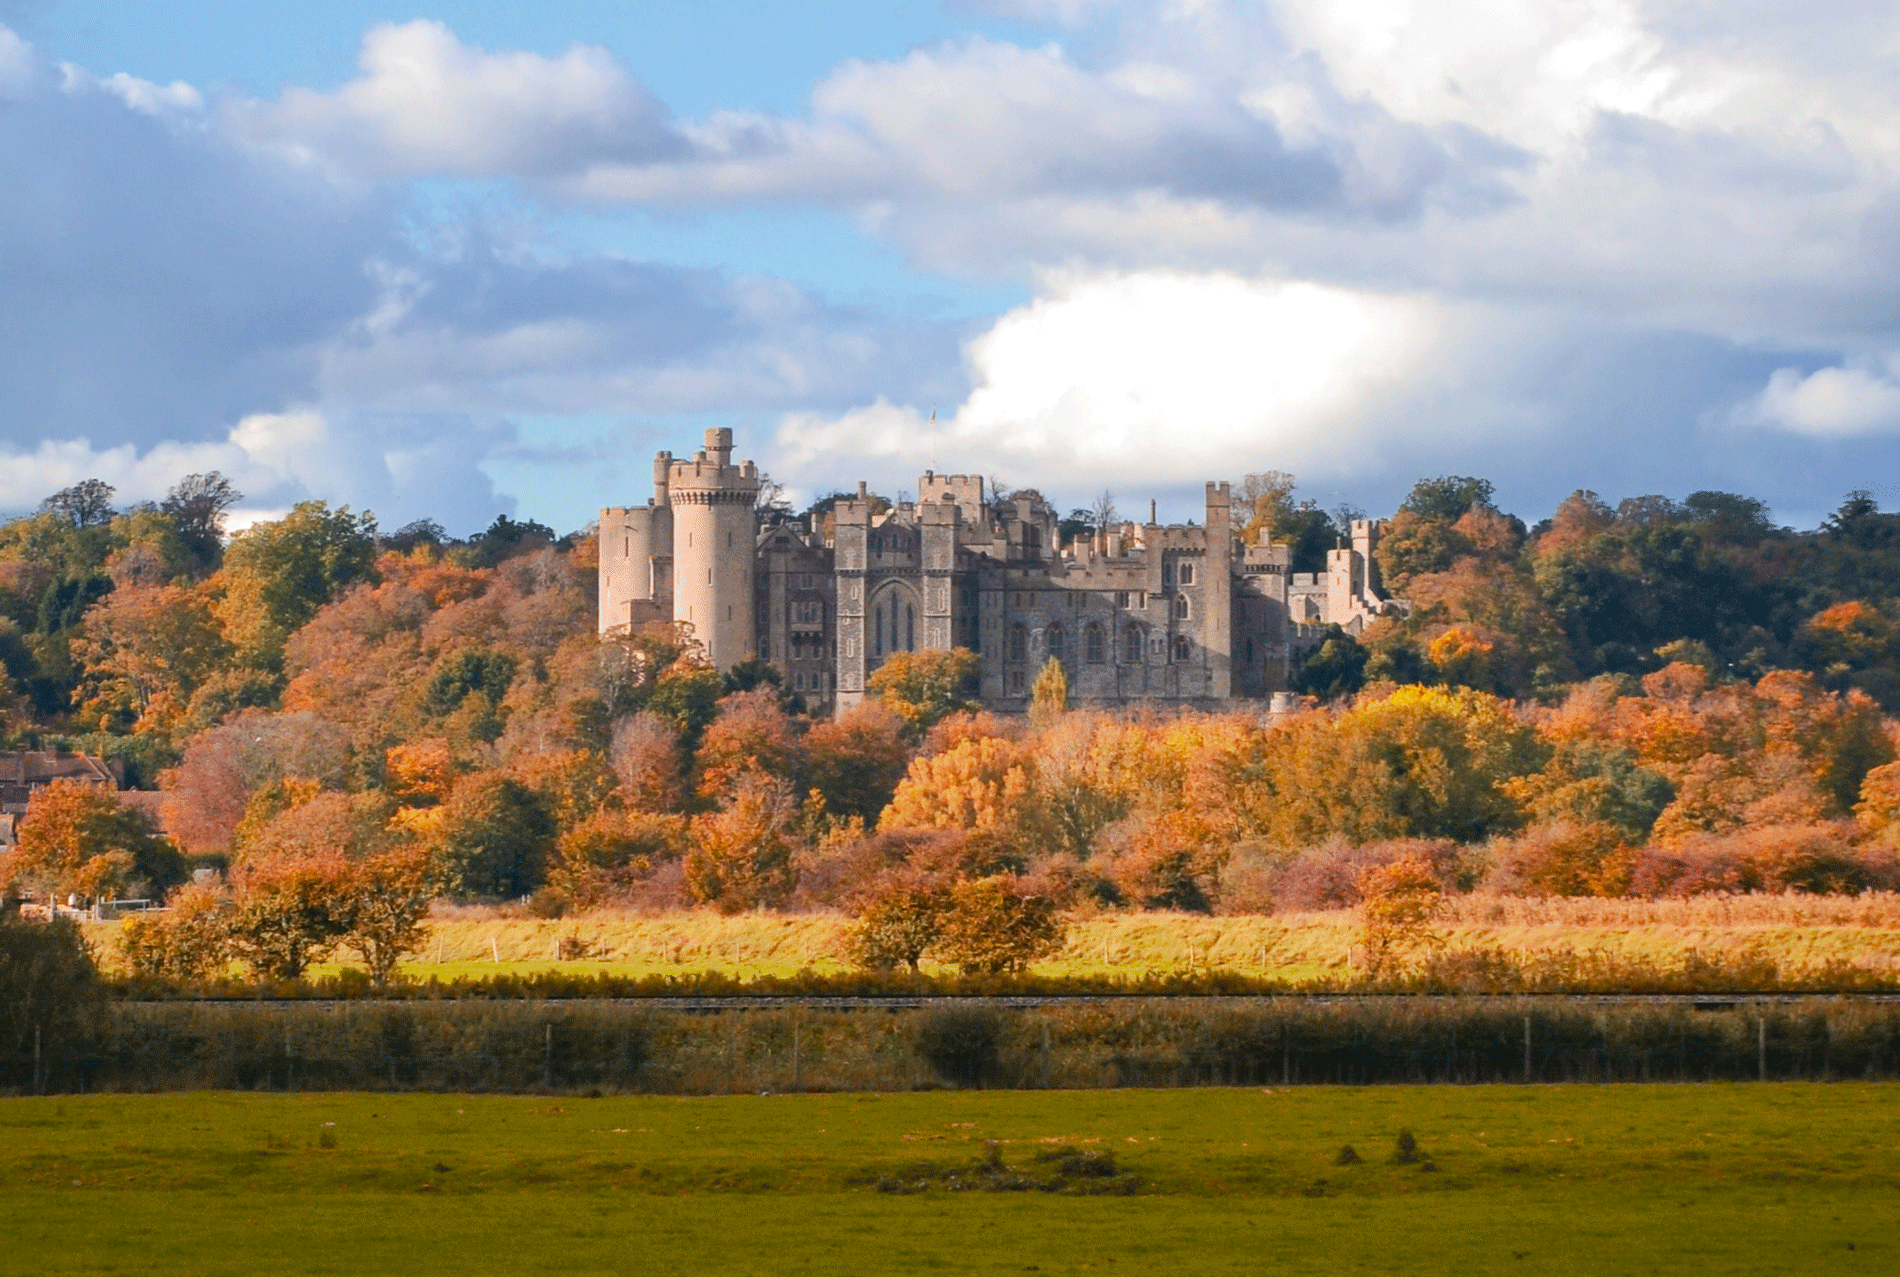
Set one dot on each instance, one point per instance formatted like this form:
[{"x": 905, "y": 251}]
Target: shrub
[
  {"x": 289, "y": 914},
  {"x": 961, "y": 1043},
  {"x": 1398, "y": 904},
  {"x": 1568, "y": 859},
  {"x": 900, "y": 921},
  {"x": 49, "y": 987},
  {"x": 189, "y": 941}
]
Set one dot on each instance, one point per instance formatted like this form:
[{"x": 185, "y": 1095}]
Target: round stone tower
[{"x": 715, "y": 535}]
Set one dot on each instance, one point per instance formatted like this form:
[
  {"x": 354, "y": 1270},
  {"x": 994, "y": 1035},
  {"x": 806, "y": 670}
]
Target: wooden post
[{"x": 494, "y": 950}]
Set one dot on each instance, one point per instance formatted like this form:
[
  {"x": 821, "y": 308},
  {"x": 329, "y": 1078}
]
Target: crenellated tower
[{"x": 715, "y": 542}]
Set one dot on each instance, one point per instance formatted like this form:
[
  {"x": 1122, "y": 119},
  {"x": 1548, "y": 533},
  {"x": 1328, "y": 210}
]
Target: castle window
[
  {"x": 1018, "y": 643},
  {"x": 910, "y": 628},
  {"x": 807, "y": 582},
  {"x": 798, "y": 647},
  {"x": 877, "y": 632},
  {"x": 1180, "y": 647},
  {"x": 1094, "y": 645},
  {"x": 1250, "y": 651},
  {"x": 1016, "y": 682},
  {"x": 798, "y": 681},
  {"x": 1055, "y": 637},
  {"x": 1167, "y": 571},
  {"x": 1121, "y": 599},
  {"x": 1181, "y": 606},
  {"x": 1131, "y": 645},
  {"x": 1186, "y": 575}
]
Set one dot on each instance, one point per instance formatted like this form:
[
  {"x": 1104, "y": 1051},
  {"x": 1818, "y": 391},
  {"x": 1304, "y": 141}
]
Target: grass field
[
  {"x": 1734, "y": 1179},
  {"x": 1796, "y": 932}
]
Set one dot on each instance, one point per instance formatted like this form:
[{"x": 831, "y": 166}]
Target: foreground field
[
  {"x": 1519, "y": 1179},
  {"x": 1796, "y": 932}
]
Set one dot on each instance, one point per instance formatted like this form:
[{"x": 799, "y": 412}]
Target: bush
[
  {"x": 994, "y": 927},
  {"x": 49, "y": 987},
  {"x": 961, "y": 1043},
  {"x": 191, "y": 940}
]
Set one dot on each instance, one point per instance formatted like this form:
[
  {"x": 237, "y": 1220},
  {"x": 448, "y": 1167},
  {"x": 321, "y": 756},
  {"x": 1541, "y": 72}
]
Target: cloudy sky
[{"x": 486, "y": 257}]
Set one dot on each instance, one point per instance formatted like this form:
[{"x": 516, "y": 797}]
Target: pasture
[{"x": 1700, "y": 1178}]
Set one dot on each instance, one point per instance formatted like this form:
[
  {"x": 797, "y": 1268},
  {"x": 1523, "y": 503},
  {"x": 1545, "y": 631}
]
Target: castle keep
[{"x": 1137, "y": 612}]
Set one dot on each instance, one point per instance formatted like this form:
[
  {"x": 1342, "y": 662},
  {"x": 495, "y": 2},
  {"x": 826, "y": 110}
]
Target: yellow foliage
[{"x": 975, "y": 784}]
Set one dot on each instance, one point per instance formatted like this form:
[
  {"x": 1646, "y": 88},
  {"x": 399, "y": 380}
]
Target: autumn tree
[
  {"x": 752, "y": 735},
  {"x": 900, "y": 917},
  {"x": 857, "y": 760},
  {"x": 741, "y": 855},
  {"x": 145, "y": 650},
  {"x": 1398, "y": 903},
  {"x": 190, "y": 940},
  {"x": 385, "y": 906},
  {"x": 78, "y": 839},
  {"x": 994, "y": 926},
  {"x": 923, "y": 687},
  {"x": 1049, "y": 693},
  {"x": 290, "y": 913},
  {"x": 600, "y": 860},
  {"x": 975, "y": 784}
]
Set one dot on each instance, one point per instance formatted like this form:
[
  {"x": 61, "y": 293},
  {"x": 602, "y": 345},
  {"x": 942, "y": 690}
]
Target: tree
[
  {"x": 1398, "y": 903},
  {"x": 923, "y": 688},
  {"x": 385, "y": 907},
  {"x": 741, "y": 855},
  {"x": 1049, "y": 694},
  {"x": 207, "y": 794},
  {"x": 290, "y": 913},
  {"x": 145, "y": 651},
  {"x": 750, "y": 735},
  {"x": 495, "y": 837},
  {"x": 601, "y": 859},
  {"x": 645, "y": 755},
  {"x": 87, "y": 504},
  {"x": 277, "y": 574},
  {"x": 198, "y": 503},
  {"x": 77, "y": 839},
  {"x": 975, "y": 784},
  {"x": 899, "y": 919},
  {"x": 1337, "y": 667},
  {"x": 190, "y": 940},
  {"x": 856, "y": 761},
  {"x": 50, "y": 995},
  {"x": 993, "y": 926}
]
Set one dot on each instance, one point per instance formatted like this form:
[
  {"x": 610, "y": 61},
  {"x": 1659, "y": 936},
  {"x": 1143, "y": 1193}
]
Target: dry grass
[{"x": 1795, "y": 931}]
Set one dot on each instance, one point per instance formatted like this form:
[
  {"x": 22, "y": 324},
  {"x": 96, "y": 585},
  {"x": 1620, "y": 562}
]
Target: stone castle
[{"x": 1139, "y": 612}]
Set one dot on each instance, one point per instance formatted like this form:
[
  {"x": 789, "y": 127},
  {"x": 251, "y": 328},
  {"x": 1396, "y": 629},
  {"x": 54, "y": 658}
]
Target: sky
[{"x": 472, "y": 258}]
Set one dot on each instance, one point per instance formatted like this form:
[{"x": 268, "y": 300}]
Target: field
[
  {"x": 1794, "y": 931},
  {"x": 1667, "y": 1179}
]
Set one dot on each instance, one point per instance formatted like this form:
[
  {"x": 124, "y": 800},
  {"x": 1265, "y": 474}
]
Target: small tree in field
[
  {"x": 290, "y": 914},
  {"x": 386, "y": 905},
  {"x": 900, "y": 920},
  {"x": 993, "y": 927},
  {"x": 741, "y": 855},
  {"x": 1397, "y": 905}
]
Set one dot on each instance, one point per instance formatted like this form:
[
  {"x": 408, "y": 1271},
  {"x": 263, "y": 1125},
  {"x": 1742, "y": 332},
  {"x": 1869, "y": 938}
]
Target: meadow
[
  {"x": 1795, "y": 931},
  {"x": 1731, "y": 1178}
]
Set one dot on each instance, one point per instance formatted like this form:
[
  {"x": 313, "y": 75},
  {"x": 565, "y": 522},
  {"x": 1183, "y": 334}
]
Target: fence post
[{"x": 1527, "y": 1048}]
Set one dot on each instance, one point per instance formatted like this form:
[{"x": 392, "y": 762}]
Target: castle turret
[
  {"x": 636, "y": 558},
  {"x": 715, "y": 534}
]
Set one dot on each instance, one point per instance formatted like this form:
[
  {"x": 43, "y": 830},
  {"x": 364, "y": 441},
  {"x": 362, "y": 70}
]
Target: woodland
[{"x": 1648, "y": 699}]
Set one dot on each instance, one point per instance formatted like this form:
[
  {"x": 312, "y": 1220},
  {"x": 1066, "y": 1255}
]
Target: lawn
[
  {"x": 1761, "y": 1178},
  {"x": 1798, "y": 932}
]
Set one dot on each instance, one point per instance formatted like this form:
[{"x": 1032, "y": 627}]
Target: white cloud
[
  {"x": 427, "y": 103},
  {"x": 1165, "y": 378},
  {"x": 1829, "y": 403}
]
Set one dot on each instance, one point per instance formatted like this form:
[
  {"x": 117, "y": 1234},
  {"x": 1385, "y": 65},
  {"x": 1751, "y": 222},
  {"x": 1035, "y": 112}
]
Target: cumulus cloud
[
  {"x": 425, "y": 102},
  {"x": 1829, "y": 403}
]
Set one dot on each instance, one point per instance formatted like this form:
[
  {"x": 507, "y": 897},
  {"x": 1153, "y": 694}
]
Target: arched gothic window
[
  {"x": 1093, "y": 645},
  {"x": 1131, "y": 645},
  {"x": 1056, "y": 643},
  {"x": 1180, "y": 648},
  {"x": 1181, "y": 606},
  {"x": 1018, "y": 643}
]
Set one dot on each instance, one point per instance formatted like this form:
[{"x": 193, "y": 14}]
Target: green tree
[
  {"x": 1337, "y": 667},
  {"x": 276, "y": 575},
  {"x": 50, "y": 995},
  {"x": 923, "y": 688},
  {"x": 495, "y": 837}
]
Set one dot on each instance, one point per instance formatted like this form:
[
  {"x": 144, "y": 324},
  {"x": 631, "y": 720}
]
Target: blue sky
[{"x": 462, "y": 259}]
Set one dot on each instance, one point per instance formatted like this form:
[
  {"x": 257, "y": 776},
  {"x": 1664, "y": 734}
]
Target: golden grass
[{"x": 1795, "y": 931}]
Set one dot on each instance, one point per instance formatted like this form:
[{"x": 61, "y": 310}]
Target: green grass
[{"x": 1774, "y": 1178}]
